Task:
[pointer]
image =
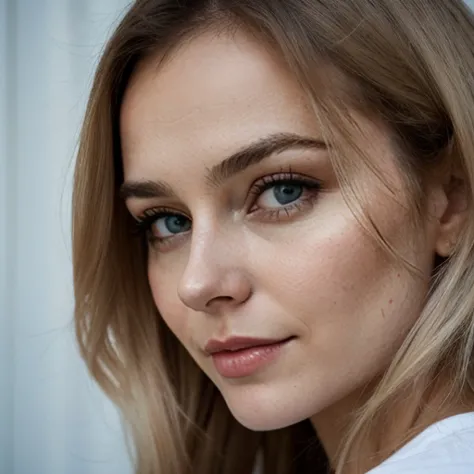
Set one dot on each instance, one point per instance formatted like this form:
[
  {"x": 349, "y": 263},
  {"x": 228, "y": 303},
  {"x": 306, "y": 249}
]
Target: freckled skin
[{"x": 316, "y": 276}]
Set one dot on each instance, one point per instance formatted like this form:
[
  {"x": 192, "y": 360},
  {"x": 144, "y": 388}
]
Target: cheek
[
  {"x": 352, "y": 303},
  {"x": 326, "y": 265},
  {"x": 165, "y": 296}
]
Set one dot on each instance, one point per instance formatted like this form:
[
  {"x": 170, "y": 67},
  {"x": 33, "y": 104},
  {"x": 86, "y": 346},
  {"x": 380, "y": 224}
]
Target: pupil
[
  {"x": 286, "y": 193},
  {"x": 176, "y": 224}
]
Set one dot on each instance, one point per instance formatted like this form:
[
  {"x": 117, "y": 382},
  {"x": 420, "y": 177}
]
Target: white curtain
[{"x": 53, "y": 419}]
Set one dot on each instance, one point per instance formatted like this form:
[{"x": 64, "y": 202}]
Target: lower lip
[{"x": 244, "y": 362}]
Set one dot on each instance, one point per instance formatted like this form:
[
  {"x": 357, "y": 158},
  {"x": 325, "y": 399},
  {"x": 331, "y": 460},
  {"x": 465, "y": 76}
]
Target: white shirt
[{"x": 446, "y": 447}]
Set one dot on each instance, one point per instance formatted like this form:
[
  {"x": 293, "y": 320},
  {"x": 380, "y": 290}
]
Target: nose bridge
[
  {"x": 214, "y": 271},
  {"x": 205, "y": 249}
]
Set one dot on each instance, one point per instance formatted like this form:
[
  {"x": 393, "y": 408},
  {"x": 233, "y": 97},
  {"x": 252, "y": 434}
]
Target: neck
[{"x": 414, "y": 410}]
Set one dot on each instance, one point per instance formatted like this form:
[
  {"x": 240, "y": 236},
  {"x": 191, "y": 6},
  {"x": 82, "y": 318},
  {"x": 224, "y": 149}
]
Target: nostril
[
  {"x": 219, "y": 300},
  {"x": 214, "y": 288}
]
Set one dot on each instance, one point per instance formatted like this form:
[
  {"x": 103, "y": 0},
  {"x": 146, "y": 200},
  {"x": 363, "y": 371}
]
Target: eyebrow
[{"x": 238, "y": 162}]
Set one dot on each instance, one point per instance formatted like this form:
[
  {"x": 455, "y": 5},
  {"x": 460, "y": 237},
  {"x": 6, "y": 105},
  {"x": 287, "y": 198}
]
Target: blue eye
[
  {"x": 283, "y": 195},
  {"x": 280, "y": 195},
  {"x": 276, "y": 198},
  {"x": 170, "y": 225},
  {"x": 160, "y": 224}
]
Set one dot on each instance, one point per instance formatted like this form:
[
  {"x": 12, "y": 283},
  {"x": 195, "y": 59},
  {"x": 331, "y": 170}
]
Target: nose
[{"x": 214, "y": 278}]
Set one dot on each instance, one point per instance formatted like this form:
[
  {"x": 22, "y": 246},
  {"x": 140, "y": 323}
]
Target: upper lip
[{"x": 214, "y": 346}]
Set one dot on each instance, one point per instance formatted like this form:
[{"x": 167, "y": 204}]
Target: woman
[{"x": 299, "y": 294}]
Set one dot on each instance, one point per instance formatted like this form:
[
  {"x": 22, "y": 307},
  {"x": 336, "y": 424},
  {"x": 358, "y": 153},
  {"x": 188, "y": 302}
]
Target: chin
[{"x": 259, "y": 410}]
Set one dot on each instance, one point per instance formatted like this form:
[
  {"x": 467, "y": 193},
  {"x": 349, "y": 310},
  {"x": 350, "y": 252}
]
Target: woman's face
[{"x": 253, "y": 248}]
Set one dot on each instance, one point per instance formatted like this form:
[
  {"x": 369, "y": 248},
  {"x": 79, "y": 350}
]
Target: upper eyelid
[
  {"x": 157, "y": 212},
  {"x": 264, "y": 183},
  {"x": 269, "y": 181},
  {"x": 283, "y": 176},
  {"x": 257, "y": 184}
]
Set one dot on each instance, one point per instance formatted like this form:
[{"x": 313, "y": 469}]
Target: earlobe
[
  {"x": 454, "y": 217},
  {"x": 445, "y": 249}
]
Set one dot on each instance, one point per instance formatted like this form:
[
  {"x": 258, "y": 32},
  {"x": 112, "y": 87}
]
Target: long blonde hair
[{"x": 408, "y": 64}]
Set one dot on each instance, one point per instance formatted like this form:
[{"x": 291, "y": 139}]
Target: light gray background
[{"x": 53, "y": 420}]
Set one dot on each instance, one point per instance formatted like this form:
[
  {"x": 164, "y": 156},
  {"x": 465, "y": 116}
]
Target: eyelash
[
  {"x": 310, "y": 186},
  {"x": 267, "y": 182}
]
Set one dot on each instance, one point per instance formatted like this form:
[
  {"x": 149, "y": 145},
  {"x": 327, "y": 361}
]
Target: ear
[{"x": 453, "y": 214}]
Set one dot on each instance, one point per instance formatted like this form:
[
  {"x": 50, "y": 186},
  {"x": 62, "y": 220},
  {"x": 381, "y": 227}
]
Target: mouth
[{"x": 240, "y": 357}]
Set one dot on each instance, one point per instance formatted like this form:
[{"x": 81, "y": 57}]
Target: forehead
[{"x": 215, "y": 94}]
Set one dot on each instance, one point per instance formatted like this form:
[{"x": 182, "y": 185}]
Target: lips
[
  {"x": 241, "y": 357},
  {"x": 238, "y": 343}
]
